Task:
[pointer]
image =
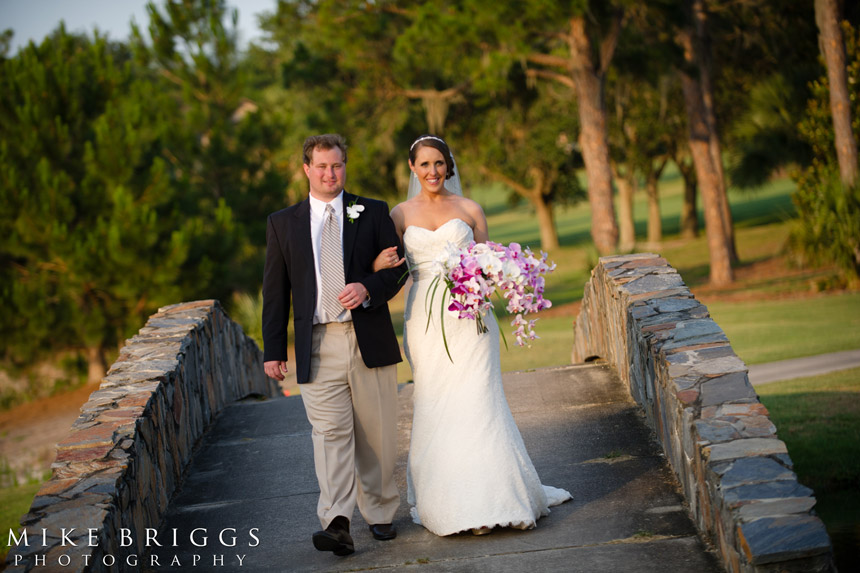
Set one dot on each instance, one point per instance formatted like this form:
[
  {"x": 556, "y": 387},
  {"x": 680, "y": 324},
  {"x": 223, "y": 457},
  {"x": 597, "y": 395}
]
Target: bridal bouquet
[{"x": 472, "y": 274}]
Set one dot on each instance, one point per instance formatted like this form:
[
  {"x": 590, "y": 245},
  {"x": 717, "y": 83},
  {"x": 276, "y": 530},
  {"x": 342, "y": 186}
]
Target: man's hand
[
  {"x": 275, "y": 369},
  {"x": 352, "y": 295}
]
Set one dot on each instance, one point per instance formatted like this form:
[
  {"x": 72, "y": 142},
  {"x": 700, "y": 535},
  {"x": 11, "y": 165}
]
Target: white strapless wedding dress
[{"x": 468, "y": 467}]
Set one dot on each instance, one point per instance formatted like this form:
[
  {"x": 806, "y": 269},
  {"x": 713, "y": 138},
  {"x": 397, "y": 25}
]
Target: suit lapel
[
  {"x": 301, "y": 235},
  {"x": 350, "y": 229}
]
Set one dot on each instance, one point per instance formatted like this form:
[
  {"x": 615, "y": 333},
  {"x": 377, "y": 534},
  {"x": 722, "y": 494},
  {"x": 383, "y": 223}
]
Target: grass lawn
[
  {"x": 14, "y": 503},
  {"x": 819, "y": 420},
  {"x": 768, "y": 330},
  {"x": 759, "y": 331}
]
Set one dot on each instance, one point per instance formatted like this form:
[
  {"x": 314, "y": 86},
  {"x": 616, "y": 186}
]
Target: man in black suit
[{"x": 320, "y": 252}]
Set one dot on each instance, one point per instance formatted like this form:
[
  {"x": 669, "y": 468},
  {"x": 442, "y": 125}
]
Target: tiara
[{"x": 414, "y": 143}]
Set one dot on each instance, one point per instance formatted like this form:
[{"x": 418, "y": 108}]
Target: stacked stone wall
[
  {"x": 737, "y": 476},
  {"x": 125, "y": 455}
]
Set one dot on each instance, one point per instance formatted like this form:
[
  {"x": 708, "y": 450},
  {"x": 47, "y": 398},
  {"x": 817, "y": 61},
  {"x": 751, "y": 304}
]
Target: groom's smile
[{"x": 326, "y": 173}]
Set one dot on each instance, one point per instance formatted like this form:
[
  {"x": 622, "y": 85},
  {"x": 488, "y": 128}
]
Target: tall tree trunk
[
  {"x": 833, "y": 47},
  {"x": 626, "y": 191},
  {"x": 689, "y": 223},
  {"x": 728, "y": 219},
  {"x": 536, "y": 196},
  {"x": 702, "y": 55},
  {"x": 593, "y": 138},
  {"x": 96, "y": 366},
  {"x": 655, "y": 220},
  {"x": 546, "y": 221},
  {"x": 708, "y": 178}
]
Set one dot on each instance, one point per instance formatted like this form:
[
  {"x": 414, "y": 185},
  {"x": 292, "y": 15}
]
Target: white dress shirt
[{"x": 317, "y": 219}]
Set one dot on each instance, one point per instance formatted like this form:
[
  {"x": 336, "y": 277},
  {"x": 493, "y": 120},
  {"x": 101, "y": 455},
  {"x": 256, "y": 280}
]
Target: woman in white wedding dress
[{"x": 468, "y": 467}]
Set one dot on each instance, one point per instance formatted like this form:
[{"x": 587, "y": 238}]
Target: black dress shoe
[
  {"x": 383, "y": 531},
  {"x": 335, "y": 538}
]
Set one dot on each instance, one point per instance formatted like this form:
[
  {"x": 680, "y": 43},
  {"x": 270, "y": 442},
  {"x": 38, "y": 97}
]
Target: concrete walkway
[
  {"x": 254, "y": 470},
  {"x": 802, "y": 367}
]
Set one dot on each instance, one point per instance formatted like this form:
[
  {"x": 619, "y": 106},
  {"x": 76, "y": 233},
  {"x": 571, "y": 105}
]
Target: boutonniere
[{"x": 353, "y": 211}]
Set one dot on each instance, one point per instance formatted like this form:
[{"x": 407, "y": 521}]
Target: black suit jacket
[{"x": 289, "y": 272}]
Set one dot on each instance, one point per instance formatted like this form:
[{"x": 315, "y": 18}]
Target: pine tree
[
  {"x": 219, "y": 146},
  {"x": 89, "y": 243}
]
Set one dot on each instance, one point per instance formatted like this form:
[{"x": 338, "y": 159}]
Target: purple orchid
[{"x": 474, "y": 273}]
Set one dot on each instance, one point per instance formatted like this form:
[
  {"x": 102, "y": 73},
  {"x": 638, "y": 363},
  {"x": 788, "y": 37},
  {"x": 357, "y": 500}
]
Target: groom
[{"x": 320, "y": 252}]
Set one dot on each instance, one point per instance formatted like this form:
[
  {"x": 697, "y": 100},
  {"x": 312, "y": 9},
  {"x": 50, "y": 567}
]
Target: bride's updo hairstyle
[{"x": 436, "y": 143}]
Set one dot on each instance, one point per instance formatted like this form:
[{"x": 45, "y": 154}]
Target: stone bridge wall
[
  {"x": 125, "y": 454},
  {"x": 678, "y": 364}
]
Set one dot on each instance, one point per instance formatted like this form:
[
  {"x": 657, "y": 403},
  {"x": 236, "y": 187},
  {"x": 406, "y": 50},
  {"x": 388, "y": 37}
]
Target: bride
[{"x": 468, "y": 468}]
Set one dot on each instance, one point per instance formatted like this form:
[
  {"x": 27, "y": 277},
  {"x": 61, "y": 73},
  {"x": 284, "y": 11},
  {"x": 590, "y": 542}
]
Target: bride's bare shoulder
[
  {"x": 398, "y": 215},
  {"x": 470, "y": 206},
  {"x": 404, "y": 209}
]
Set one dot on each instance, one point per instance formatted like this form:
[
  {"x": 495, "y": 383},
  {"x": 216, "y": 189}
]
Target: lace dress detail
[{"x": 468, "y": 467}]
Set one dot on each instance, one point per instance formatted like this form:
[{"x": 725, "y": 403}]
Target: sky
[{"x": 35, "y": 19}]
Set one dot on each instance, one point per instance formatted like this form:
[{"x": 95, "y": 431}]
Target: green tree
[
  {"x": 130, "y": 178},
  {"x": 6, "y": 41},
  {"x": 703, "y": 142},
  {"x": 645, "y": 104},
  {"x": 89, "y": 244},
  {"x": 700, "y": 27},
  {"x": 574, "y": 45},
  {"x": 827, "y": 16},
  {"x": 219, "y": 145},
  {"x": 524, "y": 139},
  {"x": 641, "y": 140},
  {"x": 333, "y": 61},
  {"x": 828, "y": 210},
  {"x": 768, "y": 55},
  {"x": 384, "y": 73},
  {"x": 764, "y": 139}
]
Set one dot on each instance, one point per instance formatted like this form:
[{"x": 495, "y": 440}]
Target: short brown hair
[{"x": 326, "y": 141}]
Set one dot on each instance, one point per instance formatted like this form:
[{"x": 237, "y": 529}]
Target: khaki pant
[{"x": 353, "y": 411}]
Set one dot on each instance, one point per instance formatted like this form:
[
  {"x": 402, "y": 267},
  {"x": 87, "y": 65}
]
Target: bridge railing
[
  {"x": 124, "y": 457},
  {"x": 736, "y": 475}
]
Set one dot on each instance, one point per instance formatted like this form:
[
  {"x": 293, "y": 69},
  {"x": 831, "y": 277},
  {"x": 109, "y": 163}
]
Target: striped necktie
[{"x": 331, "y": 265}]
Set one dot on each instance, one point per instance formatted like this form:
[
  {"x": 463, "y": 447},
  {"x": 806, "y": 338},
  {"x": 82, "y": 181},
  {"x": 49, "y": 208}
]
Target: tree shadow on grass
[
  {"x": 696, "y": 275},
  {"x": 839, "y": 511},
  {"x": 580, "y": 238},
  {"x": 822, "y": 433},
  {"x": 753, "y": 212}
]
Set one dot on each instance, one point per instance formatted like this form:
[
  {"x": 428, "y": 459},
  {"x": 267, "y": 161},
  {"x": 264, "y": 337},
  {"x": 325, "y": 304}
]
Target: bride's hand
[{"x": 387, "y": 259}]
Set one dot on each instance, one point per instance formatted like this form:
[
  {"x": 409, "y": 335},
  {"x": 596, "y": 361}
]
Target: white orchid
[
  {"x": 490, "y": 262},
  {"x": 512, "y": 271},
  {"x": 480, "y": 249},
  {"x": 449, "y": 256},
  {"x": 353, "y": 211}
]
